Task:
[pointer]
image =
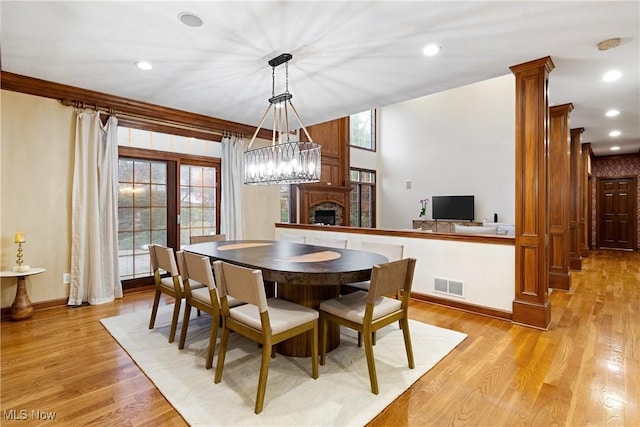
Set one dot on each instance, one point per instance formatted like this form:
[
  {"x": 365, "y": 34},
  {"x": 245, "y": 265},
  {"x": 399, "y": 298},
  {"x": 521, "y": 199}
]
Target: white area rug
[{"x": 341, "y": 396}]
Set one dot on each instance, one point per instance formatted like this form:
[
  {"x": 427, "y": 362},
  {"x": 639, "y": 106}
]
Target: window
[
  {"x": 362, "y": 130},
  {"x": 363, "y": 195},
  {"x": 164, "y": 197}
]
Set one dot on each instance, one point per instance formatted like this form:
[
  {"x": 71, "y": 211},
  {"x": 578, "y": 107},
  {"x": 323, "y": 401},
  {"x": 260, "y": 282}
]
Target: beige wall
[
  {"x": 37, "y": 170},
  {"x": 36, "y": 159}
]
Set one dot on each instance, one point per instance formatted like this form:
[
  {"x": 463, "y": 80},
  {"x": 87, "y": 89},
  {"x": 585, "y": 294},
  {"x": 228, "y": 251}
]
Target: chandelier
[{"x": 284, "y": 161}]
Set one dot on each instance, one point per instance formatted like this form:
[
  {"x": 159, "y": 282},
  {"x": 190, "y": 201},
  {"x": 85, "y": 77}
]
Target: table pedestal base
[
  {"x": 21, "y": 307},
  {"x": 309, "y": 296}
]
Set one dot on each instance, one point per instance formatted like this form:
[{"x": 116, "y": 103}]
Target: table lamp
[{"x": 19, "y": 267}]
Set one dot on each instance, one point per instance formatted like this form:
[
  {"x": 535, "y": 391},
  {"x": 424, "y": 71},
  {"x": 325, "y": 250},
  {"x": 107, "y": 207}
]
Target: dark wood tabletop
[{"x": 294, "y": 263}]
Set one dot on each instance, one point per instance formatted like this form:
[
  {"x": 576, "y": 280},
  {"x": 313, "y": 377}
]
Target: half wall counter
[{"x": 475, "y": 273}]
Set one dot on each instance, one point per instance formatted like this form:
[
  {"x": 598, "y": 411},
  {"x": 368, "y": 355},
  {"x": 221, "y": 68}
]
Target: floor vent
[{"x": 448, "y": 286}]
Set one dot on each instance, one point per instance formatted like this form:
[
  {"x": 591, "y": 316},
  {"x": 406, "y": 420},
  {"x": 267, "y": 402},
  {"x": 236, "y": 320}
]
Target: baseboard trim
[
  {"x": 470, "y": 308},
  {"x": 5, "y": 314}
]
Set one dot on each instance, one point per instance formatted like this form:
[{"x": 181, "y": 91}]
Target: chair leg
[
  {"x": 371, "y": 363},
  {"x": 407, "y": 342},
  {"x": 222, "y": 352},
  {"x": 373, "y": 338},
  {"x": 314, "y": 349},
  {"x": 174, "y": 320},
  {"x": 264, "y": 373},
  {"x": 185, "y": 325},
  {"x": 324, "y": 325},
  {"x": 154, "y": 310},
  {"x": 213, "y": 336}
]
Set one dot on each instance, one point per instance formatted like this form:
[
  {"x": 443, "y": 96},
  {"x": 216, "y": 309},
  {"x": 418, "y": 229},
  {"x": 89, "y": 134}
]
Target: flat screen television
[{"x": 453, "y": 207}]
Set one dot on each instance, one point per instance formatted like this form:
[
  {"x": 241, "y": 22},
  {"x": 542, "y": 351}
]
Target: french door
[{"x": 162, "y": 201}]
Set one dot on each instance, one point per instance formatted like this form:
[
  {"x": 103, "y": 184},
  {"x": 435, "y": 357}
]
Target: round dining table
[{"x": 305, "y": 274}]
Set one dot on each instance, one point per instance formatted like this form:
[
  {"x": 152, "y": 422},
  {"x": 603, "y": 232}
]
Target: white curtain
[
  {"x": 232, "y": 224},
  {"x": 94, "y": 222}
]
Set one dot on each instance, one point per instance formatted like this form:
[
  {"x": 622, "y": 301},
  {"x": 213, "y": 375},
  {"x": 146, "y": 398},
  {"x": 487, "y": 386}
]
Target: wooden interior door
[{"x": 616, "y": 219}]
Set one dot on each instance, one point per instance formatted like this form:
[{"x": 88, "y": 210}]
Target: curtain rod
[{"x": 146, "y": 119}]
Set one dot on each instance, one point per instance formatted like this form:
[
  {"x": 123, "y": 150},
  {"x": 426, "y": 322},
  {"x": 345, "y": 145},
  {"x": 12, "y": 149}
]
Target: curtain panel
[
  {"x": 232, "y": 224},
  {"x": 95, "y": 277}
]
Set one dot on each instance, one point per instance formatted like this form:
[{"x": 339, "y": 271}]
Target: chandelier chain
[{"x": 273, "y": 81}]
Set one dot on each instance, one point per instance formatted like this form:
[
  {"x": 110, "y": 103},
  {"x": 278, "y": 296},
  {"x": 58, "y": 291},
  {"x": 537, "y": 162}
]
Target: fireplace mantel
[{"x": 335, "y": 185}]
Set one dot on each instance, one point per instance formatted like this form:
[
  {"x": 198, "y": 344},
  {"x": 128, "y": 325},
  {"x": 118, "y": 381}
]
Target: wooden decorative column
[
  {"x": 531, "y": 305},
  {"x": 585, "y": 216},
  {"x": 558, "y": 182},
  {"x": 575, "y": 199}
]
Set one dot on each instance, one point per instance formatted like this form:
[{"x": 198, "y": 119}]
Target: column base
[
  {"x": 531, "y": 314},
  {"x": 560, "y": 281}
]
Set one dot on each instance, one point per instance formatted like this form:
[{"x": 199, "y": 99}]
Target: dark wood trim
[
  {"x": 531, "y": 304},
  {"x": 5, "y": 313},
  {"x": 414, "y": 234},
  {"x": 559, "y": 196},
  {"x": 141, "y": 288},
  {"x": 470, "y": 308},
  {"x": 585, "y": 216},
  {"x": 575, "y": 199},
  {"x": 199, "y": 124}
]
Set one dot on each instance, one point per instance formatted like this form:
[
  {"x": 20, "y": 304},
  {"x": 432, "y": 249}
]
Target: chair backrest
[
  {"x": 325, "y": 241},
  {"x": 198, "y": 268},
  {"x": 294, "y": 238},
  {"x": 391, "y": 277},
  {"x": 391, "y": 251},
  {"x": 244, "y": 284},
  {"x": 163, "y": 257},
  {"x": 207, "y": 238}
]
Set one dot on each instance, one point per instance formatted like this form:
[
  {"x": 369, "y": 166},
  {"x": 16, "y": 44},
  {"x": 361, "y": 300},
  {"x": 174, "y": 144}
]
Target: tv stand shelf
[{"x": 439, "y": 226}]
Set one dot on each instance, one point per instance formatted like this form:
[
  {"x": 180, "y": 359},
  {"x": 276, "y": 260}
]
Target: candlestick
[{"x": 19, "y": 238}]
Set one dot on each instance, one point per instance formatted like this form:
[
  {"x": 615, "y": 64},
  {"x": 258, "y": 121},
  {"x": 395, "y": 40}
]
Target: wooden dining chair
[
  {"x": 366, "y": 312},
  {"x": 163, "y": 258},
  {"x": 197, "y": 269},
  {"x": 293, "y": 238},
  {"x": 207, "y": 238},
  {"x": 266, "y": 321},
  {"x": 392, "y": 252},
  {"x": 328, "y": 242}
]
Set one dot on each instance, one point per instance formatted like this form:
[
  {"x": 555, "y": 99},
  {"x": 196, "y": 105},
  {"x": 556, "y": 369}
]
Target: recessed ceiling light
[
  {"x": 190, "y": 19},
  {"x": 614, "y": 148},
  {"x": 615, "y": 133},
  {"x": 609, "y": 44},
  {"x": 144, "y": 65},
  {"x": 612, "y": 113},
  {"x": 431, "y": 49},
  {"x": 611, "y": 76}
]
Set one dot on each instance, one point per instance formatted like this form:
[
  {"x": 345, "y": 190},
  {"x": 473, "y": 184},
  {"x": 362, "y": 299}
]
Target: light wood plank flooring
[{"x": 584, "y": 371}]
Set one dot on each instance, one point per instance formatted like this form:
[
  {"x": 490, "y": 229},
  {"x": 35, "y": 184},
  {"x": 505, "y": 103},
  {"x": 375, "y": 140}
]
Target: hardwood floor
[{"x": 584, "y": 371}]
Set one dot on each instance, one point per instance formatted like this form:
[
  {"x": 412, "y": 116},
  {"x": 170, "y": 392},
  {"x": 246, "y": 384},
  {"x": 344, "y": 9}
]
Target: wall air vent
[{"x": 448, "y": 286}]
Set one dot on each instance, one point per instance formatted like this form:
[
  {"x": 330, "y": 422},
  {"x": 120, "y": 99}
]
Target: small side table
[{"x": 21, "y": 307}]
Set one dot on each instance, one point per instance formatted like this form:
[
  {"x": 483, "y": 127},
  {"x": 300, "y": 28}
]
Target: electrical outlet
[{"x": 66, "y": 278}]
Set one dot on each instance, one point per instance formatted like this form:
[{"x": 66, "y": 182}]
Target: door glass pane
[
  {"x": 142, "y": 214},
  {"x": 198, "y": 195}
]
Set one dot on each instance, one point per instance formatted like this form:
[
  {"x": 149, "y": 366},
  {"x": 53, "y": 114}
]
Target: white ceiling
[{"x": 348, "y": 56}]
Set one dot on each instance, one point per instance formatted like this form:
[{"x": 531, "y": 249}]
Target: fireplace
[
  {"x": 325, "y": 216},
  {"x": 327, "y": 213}
]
